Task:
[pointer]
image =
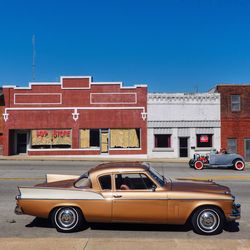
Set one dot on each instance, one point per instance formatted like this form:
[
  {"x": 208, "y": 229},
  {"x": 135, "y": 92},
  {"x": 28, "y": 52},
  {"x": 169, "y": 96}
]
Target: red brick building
[
  {"x": 1, "y": 121},
  {"x": 235, "y": 118},
  {"x": 75, "y": 117}
]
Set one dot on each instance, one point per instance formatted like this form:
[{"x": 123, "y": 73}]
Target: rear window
[
  {"x": 105, "y": 182},
  {"x": 83, "y": 181}
]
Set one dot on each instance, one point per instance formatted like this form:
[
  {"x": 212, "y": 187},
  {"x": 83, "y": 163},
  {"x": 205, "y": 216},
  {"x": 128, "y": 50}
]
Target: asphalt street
[{"x": 26, "y": 173}]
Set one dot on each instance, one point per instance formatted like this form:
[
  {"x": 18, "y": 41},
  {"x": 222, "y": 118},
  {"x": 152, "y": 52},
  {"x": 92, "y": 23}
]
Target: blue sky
[{"x": 173, "y": 46}]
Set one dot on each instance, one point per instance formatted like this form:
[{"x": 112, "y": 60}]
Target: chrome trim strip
[{"x": 111, "y": 198}]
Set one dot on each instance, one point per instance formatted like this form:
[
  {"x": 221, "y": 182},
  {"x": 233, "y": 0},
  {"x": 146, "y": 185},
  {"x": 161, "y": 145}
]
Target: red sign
[
  {"x": 204, "y": 138},
  {"x": 41, "y": 133},
  {"x": 55, "y": 133}
]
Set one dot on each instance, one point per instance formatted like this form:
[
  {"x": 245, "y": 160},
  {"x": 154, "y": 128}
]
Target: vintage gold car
[{"x": 128, "y": 192}]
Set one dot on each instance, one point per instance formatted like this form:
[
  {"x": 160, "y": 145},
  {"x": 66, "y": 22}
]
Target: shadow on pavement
[
  {"x": 139, "y": 227},
  {"x": 45, "y": 223},
  {"x": 40, "y": 222},
  {"x": 232, "y": 226}
]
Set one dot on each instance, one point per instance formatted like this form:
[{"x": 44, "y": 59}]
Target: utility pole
[{"x": 33, "y": 58}]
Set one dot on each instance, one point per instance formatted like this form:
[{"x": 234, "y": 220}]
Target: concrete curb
[{"x": 116, "y": 243}]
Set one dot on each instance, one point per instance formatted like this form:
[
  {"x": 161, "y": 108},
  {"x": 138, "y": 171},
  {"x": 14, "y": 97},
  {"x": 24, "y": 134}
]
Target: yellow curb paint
[{"x": 225, "y": 177}]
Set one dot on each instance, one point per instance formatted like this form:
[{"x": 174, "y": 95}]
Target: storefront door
[
  {"x": 21, "y": 142},
  {"x": 104, "y": 141},
  {"x": 247, "y": 149},
  {"x": 183, "y": 146}
]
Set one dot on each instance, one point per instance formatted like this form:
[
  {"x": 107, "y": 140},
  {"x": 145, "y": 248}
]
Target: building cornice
[{"x": 183, "y": 98}]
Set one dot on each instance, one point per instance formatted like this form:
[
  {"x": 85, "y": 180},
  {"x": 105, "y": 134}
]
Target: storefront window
[
  {"x": 89, "y": 138},
  {"x": 125, "y": 138},
  {"x": 162, "y": 141},
  {"x": 232, "y": 145},
  {"x": 204, "y": 140},
  {"x": 57, "y": 138}
]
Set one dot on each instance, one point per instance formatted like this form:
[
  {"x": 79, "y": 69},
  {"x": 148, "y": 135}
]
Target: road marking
[{"x": 222, "y": 177}]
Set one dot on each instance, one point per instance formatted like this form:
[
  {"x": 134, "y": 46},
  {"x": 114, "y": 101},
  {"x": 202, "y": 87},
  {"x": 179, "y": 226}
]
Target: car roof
[{"x": 119, "y": 167}]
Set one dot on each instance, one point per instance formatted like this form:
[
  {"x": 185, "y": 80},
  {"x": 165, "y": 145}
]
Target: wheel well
[
  {"x": 204, "y": 206},
  {"x": 53, "y": 209},
  {"x": 237, "y": 159}
]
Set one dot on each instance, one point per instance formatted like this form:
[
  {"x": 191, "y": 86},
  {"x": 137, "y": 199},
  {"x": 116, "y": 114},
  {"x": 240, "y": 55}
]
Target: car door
[
  {"x": 101, "y": 210},
  {"x": 137, "y": 198},
  {"x": 223, "y": 159}
]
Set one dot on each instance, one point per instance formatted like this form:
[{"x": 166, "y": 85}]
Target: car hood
[
  {"x": 58, "y": 184},
  {"x": 199, "y": 186}
]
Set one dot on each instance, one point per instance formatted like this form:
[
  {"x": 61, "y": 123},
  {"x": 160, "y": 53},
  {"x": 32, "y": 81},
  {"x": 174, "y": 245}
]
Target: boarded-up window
[
  {"x": 84, "y": 138},
  {"x": 41, "y": 137},
  {"x": 51, "y": 138},
  {"x": 89, "y": 138},
  {"x": 125, "y": 138},
  {"x": 61, "y": 137}
]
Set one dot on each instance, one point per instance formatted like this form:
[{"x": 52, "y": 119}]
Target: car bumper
[
  {"x": 236, "y": 213},
  {"x": 18, "y": 210}
]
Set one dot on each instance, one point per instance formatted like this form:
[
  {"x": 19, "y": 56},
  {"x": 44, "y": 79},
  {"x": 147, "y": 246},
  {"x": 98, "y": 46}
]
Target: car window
[
  {"x": 105, "y": 182},
  {"x": 133, "y": 181},
  {"x": 159, "y": 178},
  {"x": 83, "y": 182}
]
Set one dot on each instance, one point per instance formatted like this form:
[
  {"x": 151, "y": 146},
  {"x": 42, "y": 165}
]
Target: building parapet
[
  {"x": 184, "y": 98},
  {"x": 184, "y": 124}
]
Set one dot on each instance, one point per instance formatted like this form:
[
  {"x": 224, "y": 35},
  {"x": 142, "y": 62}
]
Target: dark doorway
[
  {"x": 183, "y": 145},
  {"x": 21, "y": 143}
]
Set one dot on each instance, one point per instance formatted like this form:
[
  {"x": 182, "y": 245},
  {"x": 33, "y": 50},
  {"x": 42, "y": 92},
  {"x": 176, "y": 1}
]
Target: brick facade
[
  {"x": 74, "y": 104},
  {"x": 235, "y": 124}
]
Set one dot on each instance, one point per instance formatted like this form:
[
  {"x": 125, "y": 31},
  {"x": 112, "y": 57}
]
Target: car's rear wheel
[
  {"x": 191, "y": 163},
  {"x": 208, "y": 221},
  {"x": 198, "y": 165},
  {"x": 67, "y": 219},
  {"x": 239, "y": 165}
]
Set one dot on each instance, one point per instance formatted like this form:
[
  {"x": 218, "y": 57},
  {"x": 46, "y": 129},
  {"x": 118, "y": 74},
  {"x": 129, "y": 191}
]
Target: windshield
[{"x": 159, "y": 178}]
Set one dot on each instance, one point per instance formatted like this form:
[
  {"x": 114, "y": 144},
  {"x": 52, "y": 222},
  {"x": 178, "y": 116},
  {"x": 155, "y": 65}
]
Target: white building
[{"x": 180, "y": 124}]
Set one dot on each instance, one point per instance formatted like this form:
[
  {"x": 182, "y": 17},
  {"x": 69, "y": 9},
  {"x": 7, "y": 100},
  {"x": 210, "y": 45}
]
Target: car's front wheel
[
  {"x": 67, "y": 219},
  {"x": 239, "y": 165},
  {"x": 208, "y": 221}
]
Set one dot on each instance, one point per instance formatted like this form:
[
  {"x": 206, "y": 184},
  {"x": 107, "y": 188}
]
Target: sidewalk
[
  {"x": 97, "y": 158},
  {"x": 124, "y": 244}
]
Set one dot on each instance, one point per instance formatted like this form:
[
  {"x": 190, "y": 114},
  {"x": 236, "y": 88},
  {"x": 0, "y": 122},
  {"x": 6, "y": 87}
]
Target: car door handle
[{"x": 117, "y": 196}]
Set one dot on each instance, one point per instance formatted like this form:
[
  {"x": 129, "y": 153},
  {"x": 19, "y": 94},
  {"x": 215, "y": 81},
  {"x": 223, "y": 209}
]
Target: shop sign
[
  {"x": 203, "y": 138},
  {"x": 61, "y": 133},
  {"x": 54, "y": 137}
]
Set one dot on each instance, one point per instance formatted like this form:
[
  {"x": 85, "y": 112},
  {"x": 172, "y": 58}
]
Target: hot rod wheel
[
  {"x": 198, "y": 165},
  {"x": 238, "y": 164},
  {"x": 191, "y": 163}
]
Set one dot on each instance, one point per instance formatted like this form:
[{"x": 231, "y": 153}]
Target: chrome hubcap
[
  {"x": 208, "y": 220},
  {"x": 66, "y": 217}
]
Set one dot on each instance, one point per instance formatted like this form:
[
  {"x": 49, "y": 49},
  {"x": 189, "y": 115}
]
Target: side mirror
[{"x": 153, "y": 188}]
